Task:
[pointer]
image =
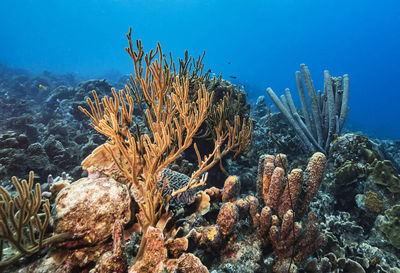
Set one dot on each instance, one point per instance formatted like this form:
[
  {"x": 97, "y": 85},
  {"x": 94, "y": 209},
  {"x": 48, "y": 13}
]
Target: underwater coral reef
[{"x": 173, "y": 171}]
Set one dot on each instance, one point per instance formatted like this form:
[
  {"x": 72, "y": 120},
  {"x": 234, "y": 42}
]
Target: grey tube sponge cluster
[{"x": 323, "y": 115}]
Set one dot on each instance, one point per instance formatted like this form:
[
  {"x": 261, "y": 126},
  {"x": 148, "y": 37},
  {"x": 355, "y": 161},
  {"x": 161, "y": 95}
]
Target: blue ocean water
[{"x": 261, "y": 43}]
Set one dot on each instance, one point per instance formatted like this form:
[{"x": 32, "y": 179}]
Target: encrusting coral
[
  {"x": 114, "y": 261},
  {"x": 155, "y": 257},
  {"x": 173, "y": 118},
  {"x": 92, "y": 221},
  {"x": 372, "y": 202},
  {"x": 21, "y": 223}
]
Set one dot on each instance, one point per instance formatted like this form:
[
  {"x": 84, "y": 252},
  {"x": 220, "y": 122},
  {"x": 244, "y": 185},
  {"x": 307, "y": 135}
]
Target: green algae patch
[
  {"x": 391, "y": 228},
  {"x": 383, "y": 173},
  {"x": 350, "y": 172}
]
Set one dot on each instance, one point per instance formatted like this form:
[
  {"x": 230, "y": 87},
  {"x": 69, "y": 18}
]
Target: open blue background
[{"x": 264, "y": 41}]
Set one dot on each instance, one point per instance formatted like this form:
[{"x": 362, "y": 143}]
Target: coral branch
[
  {"x": 173, "y": 113},
  {"x": 20, "y": 221}
]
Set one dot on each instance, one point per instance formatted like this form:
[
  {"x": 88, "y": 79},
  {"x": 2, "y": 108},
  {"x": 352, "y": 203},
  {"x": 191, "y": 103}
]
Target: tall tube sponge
[
  {"x": 286, "y": 112},
  {"x": 324, "y": 114}
]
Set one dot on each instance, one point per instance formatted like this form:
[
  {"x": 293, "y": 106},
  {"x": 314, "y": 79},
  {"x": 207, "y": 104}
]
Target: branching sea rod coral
[
  {"x": 173, "y": 118},
  {"x": 21, "y": 224}
]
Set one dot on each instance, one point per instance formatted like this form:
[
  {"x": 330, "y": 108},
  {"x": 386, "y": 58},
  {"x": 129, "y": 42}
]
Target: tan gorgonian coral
[
  {"x": 21, "y": 223},
  {"x": 173, "y": 118}
]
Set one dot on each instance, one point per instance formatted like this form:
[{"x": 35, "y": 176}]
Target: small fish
[
  {"x": 44, "y": 88},
  {"x": 229, "y": 62},
  {"x": 233, "y": 77},
  {"x": 204, "y": 176}
]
